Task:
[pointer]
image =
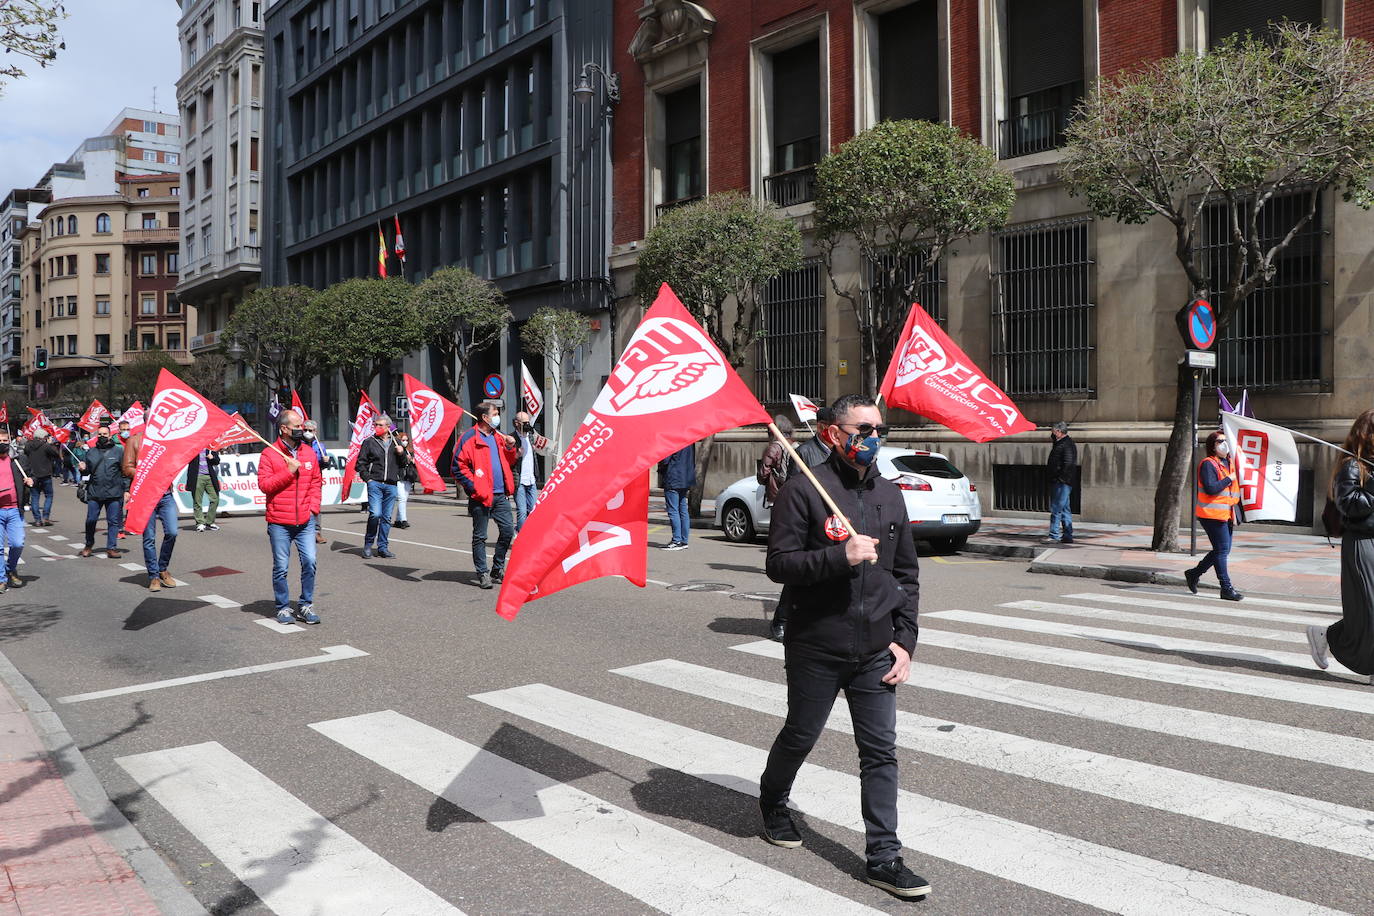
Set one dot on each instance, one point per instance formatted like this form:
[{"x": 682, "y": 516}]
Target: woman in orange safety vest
[{"x": 1218, "y": 493}]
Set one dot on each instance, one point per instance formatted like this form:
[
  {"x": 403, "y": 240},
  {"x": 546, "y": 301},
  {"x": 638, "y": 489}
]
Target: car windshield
[{"x": 928, "y": 465}]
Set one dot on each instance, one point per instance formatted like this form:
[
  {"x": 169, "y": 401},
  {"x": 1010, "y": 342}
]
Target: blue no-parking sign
[
  {"x": 1202, "y": 324},
  {"x": 493, "y": 386}
]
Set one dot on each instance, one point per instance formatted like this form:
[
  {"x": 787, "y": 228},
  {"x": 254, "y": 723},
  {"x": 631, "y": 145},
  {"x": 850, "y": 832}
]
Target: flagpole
[{"x": 830, "y": 503}]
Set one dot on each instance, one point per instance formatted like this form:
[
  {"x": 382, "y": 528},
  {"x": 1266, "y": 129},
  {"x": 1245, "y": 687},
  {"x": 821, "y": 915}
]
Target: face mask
[
  {"x": 4, "y": 448},
  {"x": 1223, "y": 449},
  {"x": 123, "y": 434},
  {"x": 104, "y": 442},
  {"x": 862, "y": 451},
  {"x": 494, "y": 421},
  {"x": 297, "y": 435},
  {"x": 309, "y": 435}
]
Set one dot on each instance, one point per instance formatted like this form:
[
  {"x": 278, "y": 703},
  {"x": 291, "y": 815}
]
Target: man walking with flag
[
  {"x": 289, "y": 476},
  {"x": 483, "y": 467},
  {"x": 43, "y": 456},
  {"x": 852, "y": 627},
  {"x": 380, "y": 463}
]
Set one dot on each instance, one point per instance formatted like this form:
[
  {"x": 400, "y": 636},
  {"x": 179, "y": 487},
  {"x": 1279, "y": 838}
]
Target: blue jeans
[
  {"x": 281, "y": 538},
  {"x": 114, "y": 520},
  {"x": 679, "y": 513},
  {"x": 1061, "y": 517},
  {"x": 12, "y": 528},
  {"x": 42, "y": 486},
  {"x": 505, "y": 530},
  {"x": 1219, "y": 533},
  {"x": 166, "y": 512},
  {"x": 381, "y": 503},
  {"x": 812, "y": 686},
  {"x": 525, "y": 496}
]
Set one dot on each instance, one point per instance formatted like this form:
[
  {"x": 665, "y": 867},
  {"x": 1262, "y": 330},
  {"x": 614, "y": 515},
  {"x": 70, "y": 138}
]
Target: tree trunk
[
  {"x": 704, "y": 449},
  {"x": 1176, "y": 468}
]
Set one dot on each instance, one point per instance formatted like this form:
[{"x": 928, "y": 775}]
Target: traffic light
[{"x": 40, "y": 358}]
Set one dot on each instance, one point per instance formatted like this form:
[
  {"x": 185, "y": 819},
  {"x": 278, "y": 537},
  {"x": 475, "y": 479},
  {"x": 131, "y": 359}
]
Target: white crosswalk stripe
[
  {"x": 1340, "y": 828},
  {"x": 1193, "y": 606},
  {"x": 667, "y": 869},
  {"x": 1233, "y": 731},
  {"x": 1288, "y": 603},
  {"x": 297, "y": 861},
  {"x": 1086, "y": 872},
  {"x": 1256, "y": 631}
]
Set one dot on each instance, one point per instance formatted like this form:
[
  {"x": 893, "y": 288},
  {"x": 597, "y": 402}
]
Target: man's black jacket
[
  {"x": 1063, "y": 462},
  {"x": 377, "y": 460},
  {"x": 840, "y": 611},
  {"x": 42, "y": 455}
]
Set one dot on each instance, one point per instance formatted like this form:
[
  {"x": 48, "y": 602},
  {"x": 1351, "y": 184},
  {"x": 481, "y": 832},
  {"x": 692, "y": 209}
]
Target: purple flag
[{"x": 1225, "y": 404}]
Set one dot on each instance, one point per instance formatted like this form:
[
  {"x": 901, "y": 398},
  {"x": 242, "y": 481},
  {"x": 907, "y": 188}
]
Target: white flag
[
  {"x": 1267, "y": 461},
  {"x": 530, "y": 393},
  {"x": 806, "y": 411}
]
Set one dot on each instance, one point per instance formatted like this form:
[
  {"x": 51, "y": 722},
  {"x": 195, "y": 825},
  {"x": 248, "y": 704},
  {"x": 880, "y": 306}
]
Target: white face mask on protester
[
  {"x": 495, "y": 421},
  {"x": 1223, "y": 449}
]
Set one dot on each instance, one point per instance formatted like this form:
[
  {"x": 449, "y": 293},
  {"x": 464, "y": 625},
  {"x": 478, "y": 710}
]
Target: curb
[
  {"x": 167, "y": 891},
  {"x": 1108, "y": 573},
  {"x": 1018, "y": 551}
]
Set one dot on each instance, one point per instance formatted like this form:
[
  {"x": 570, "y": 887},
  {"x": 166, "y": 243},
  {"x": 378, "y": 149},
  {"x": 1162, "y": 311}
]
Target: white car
[{"x": 940, "y": 501}]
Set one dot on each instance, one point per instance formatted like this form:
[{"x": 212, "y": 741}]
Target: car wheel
[{"x": 737, "y": 524}]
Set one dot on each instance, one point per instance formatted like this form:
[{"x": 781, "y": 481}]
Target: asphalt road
[{"x": 1141, "y": 758}]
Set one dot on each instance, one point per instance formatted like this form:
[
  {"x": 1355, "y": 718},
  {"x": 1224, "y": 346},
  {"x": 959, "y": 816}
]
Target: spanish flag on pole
[{"x": 381, "y": 252}]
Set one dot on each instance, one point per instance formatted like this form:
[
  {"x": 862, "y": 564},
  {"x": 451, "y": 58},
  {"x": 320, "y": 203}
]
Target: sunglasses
[{"x": 866, "y": 430}]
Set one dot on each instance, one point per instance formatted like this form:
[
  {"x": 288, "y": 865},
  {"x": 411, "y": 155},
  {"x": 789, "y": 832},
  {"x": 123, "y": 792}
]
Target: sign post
[{"x": 1201, "y": 326}]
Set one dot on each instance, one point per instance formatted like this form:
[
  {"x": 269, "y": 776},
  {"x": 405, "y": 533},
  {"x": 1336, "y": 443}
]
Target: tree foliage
[
  {"x": 273, "y": 326},
  {"x": 28, "y": 28},
  {"x": 137, "y": 378},
  {"x": 725, "y": 246},
  {"x": 460, "y": 314},
  {"x": 556, "y": 333},
  {"x": 903, "y": 191},
  {"x": 1250, "y": 121},
  {"x": 361, "y": 325}
]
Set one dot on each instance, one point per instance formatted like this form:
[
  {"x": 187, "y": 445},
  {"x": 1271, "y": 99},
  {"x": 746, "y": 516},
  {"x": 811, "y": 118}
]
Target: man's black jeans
[
  {"x": 499, "y": 511},
  {"x": 812, "y": 686}
]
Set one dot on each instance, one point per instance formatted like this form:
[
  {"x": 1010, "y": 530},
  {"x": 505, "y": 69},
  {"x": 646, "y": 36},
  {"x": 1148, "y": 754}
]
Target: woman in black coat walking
[{"x": 1351, "y": 640}]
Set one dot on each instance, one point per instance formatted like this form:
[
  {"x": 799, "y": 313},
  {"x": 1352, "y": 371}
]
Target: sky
[{"x": 117, "y": 52}]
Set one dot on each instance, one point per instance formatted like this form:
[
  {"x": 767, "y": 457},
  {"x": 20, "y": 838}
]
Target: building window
[
  {"x": 791, "y": 350},
  {"x": 59, "y": 307},
  {"x": 71, "y": 306},
  {"x": 102, "y": 306},
  {"x": 147, "y": 265},
  {"x": 174, "y": 190},
  {"x": 102, "y": 263},
  {"x": 1274, "y": 339},
  {"x": 794, "y": 112},
  {"x": 149, "y": 342},
  {"x": 1043, "y": 322},
  {"x": 907, "y": 65},
  {"x": 71, "y": 224},
  {"x": 173, "y": 306},
  {"x": 255, "y": 82},
  {"x": 148, "y": 156},
  {"x": 61, "y": 345},
  {"x": 150, "y": 221},
  {"x": 172, "y": 158},
  {"x": 191, "y": 182},
  {"x": 102, "y": 345},
  {"x": 191, "y": 117},
  {"x": 190, "y": 246},
  {"x": 150, "y": 127},
  {"x": 173, "y": 219},
  {"x": 149, "y": 305},
  {"x": 253, "y": 154},
  {"x": 71, "y": 345},
  {"x": 173, "y": 340},
  {"x": 102, "y": 222},
  {"x": 71, "y": 265},
  {"x": 930, "y": 288},
  {"x": 1236, "y": 17},
  {"x": 1044, "y": 54},
  {"x": 682, "y": 145},
  {"x": 173, "y": 262}
]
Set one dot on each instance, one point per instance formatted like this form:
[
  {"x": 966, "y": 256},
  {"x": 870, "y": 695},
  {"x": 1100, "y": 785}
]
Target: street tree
[
  {"x": 903, "y": 191},
  {"x": 137, "y": 378},
  {"x": 717, "y": 254},
  {"x": 1288, "y": 115},
  {"x": 360, "y": 326},
  {"x": 460, "y": 315},
  {"x": 556, "y": 333},
  {"x": 271, "y": 331},
  {"x": 28, "y": 28}
]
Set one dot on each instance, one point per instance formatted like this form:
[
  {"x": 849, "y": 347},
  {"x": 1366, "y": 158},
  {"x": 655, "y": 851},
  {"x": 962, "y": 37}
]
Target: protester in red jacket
[
  {"x": 482, "y": 465},
  {"x": 289, "y": 476}
]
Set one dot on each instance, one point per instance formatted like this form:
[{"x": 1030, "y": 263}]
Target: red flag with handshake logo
[
  {"x": 178, "y": 424},
  {"x": 671, "y": 387},
  {"x": 931, "y": 376},
  {"x": 432, "y": 418}
]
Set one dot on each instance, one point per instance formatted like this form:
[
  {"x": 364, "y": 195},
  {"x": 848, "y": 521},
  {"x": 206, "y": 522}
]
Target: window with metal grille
[
  {"x": 1044, "y": 78},
  {"x": 1231, "y": 17},
  {"x": 1026, "y": 488},
  {"x": 1274, "y": 339},
  {"x": 790, "y": 354},
  {"x": 1043, "y": 316},
  {"x": 930, "y": 290}
]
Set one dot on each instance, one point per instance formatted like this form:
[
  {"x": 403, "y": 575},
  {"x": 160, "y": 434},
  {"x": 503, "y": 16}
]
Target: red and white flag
[
  {"x": 297, "y": 406},
  {"x": 90, "y": 420},
  {"x": 1266, "y": 460},
  {"x": 5, "y": 412},
  {"x": 400, "y": 246},
  {"x": 530, "y": 394},
  {"x": 37, "y": 420},
  {"x": 931, "y": 376},
  {"x": 180, "y": 423},
  {"x": 362, "y": 428},
  {"x": 806, "y": 410},
  {"x": 62, "y": 436},
  {"x": 432, "y": 418},
  {"x": 135, "y": 417},
  {"x": 237, "y": 434},
  {"x": 671, "y": 387}
]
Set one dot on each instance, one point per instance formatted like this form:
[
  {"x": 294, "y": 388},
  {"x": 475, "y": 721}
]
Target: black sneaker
[
  {"x": 779, "y": 828},
  {"x": 1190, "y": 576},
  {"x": 484, "y": 580},
  {"x": 498, "y": 574},
  {"x": 896, "y": 878},
  {"x": 776, "y": 630},
  {"x": 1230, "y": 594}
]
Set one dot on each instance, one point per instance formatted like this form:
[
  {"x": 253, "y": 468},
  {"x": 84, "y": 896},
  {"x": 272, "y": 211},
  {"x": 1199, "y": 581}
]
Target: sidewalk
[
  {"x": 64, "y": 847},
  {"x": 1262, "y": 562}
]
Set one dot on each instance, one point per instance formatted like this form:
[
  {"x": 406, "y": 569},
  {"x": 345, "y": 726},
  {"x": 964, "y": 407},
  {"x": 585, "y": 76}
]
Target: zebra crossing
[{"x": 299, "y": 862}]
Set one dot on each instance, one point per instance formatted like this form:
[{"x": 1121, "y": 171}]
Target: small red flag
[
  {"x": 297, "y": 406},
  {"x": 5, "y": 412},
  {"x": 400, "y": 246},
  {"x": 362, "y": 428},
  {"x": 432, "y": 418},
  {"x": 381, "y": 252},
  {"x": 135, "y": 417},
  {"x": 90, "y": 420}
]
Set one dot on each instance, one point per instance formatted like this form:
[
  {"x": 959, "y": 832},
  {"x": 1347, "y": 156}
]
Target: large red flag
[
  {"x": 90, "y": 420},
  {"x": 671, "y": 387},
  {"x": 135, "y": 417},
  {"x": 297, "y": 406},
  {"x": 432, "y": 418},
  {"x": 237, "y": 434},
  {"x": 931, "y": 376},
  {"x": 362, "y": 428},
  {"x": 180, "y": 423}
]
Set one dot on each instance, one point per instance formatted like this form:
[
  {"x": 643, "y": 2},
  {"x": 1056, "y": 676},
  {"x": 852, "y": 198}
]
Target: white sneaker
[
  {"x": 1316, "y": 643},
  {"x": 212, "y": 527},
  {"x": 200, "y": 527}
]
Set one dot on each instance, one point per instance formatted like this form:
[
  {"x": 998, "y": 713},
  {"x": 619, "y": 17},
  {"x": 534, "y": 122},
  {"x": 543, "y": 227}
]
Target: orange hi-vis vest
[{"x": 1217, "y": 507}]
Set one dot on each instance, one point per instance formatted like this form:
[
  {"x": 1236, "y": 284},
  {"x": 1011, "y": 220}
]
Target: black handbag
[
  {"x": 83, "y": 491},
  {"x": 1331, "y": 519}
]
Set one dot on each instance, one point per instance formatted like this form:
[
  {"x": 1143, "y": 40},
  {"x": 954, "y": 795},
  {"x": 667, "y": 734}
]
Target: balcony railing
[
  {"x": 795, "y": 186},
  {"x": 151, "y": 235},
  {"x": 674, "y": 204},
  {"x": 1041, "y": 127}
]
